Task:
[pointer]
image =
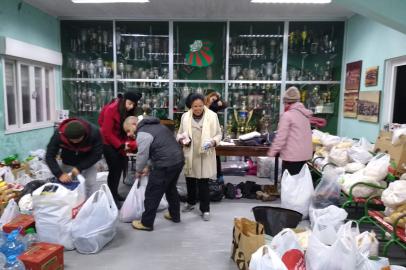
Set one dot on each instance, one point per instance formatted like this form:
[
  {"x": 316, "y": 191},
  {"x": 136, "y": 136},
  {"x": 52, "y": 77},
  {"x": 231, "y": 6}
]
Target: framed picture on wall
[
  {"x": 371, "y": 76},
  {"x": 352, "y": 84},
  {"x": 353, "y": 76},
  {"x": 368, "y": 106}
]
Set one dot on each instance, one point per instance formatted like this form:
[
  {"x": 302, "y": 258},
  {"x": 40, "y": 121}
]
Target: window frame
[{"x": 33, "y": 124}]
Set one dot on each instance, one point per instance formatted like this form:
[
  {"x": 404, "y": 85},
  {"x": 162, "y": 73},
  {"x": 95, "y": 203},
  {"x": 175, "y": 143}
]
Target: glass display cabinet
[{"x": 251, "y": 72}]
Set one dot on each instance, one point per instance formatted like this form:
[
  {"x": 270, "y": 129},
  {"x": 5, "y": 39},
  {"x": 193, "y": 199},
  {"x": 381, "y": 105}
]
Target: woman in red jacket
[{"x": 114, "y": 137}]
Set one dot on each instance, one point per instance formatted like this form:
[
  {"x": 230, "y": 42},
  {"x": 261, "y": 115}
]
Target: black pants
[
  {"x": 162, "y": 181},
  {"x": 293, "y": 167},
  {"x": 203, "y": 191},
  {"x": 116, "y": 163},
  {"x": 219, "y": 173}
]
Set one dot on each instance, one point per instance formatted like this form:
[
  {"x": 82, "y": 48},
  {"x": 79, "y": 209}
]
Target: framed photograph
[
  {"x": 368, "y": 106},
  {"x": 350, "y": 104},
  {"x": 353, "y": 76},
  {"x": 371, "y": 76}
]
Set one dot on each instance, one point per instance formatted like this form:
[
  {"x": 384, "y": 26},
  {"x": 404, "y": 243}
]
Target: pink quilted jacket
[{"x": 293, "y": 140}]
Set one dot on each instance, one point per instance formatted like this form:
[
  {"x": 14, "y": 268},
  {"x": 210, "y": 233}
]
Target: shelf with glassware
[
  {"x": 255, "y": 50},
  {"x": 253, "y": 107},
  {"x": 155, "y": 96},
  {"x": 142, "y": 50},
  {"x": 87, "y": 48},
  {"x": 86, "y": 98},
  {"x": 315, "y": 51}
]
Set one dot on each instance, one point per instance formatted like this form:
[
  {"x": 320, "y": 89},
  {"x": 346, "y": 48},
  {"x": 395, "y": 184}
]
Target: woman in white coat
[{"x": 199, "y": 133}]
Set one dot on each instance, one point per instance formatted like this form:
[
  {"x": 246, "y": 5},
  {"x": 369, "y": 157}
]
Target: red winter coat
[{"x": 110, "y": 125}]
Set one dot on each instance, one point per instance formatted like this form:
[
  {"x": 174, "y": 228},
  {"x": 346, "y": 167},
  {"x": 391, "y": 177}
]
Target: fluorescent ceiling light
[
  {"x": 292, "y": 1},
  {"x": 108, "y": 1}
]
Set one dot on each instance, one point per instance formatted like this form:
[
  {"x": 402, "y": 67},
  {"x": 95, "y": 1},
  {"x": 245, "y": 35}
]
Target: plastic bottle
[
  {"x": 3, "y": 260},
  {"x": 30, "y": 237},
  {"x": 13, "y": 263},
  {"x": 13, "y": 246}
]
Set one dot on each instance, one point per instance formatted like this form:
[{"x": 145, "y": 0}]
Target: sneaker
[
  {"x": 139, "y": 226},
  {"x": 206, "y": 216},
  {"x": 188, "y": 207},
  {"x": 168, "y": 216}
]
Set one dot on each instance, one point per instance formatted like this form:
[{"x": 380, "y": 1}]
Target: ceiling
[{"x": 191, "y": 10}]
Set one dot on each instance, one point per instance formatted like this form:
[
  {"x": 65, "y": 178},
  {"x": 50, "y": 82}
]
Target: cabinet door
[
  {"x": 255, "y": 51},
  {"x": 86, "y": 99},
  {"x": 199, "y": 50},
  {"x": 142, "y": 50},
  {"x": 87, "y": 48}
]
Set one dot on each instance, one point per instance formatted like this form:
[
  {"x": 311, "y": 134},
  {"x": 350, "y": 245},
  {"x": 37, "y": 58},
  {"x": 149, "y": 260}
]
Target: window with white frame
[{"x": 29, "y": 95}]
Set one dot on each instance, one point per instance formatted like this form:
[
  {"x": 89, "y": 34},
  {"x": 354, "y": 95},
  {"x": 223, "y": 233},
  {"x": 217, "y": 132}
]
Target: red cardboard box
[
  {"x": 43, "y": 256},
  {"x": 22, "y": 221}
]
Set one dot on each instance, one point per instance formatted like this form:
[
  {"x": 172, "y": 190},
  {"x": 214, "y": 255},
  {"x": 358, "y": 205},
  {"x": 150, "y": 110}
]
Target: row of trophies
[
  {"x": 268, "y": 71},
  {"x": 90, "y": 69},
  {"x": 92, "y": 40},
  {"x": 89, "y": 97},
  {"x": 261, "y": 48},
  {"x": 152, "y": 101},
  {"x": 141, "y": 47},
  {"x": 129, "y": 71},
  {"x": 309, "y": 41},
  {"x": 316, "y": 72},
  {"x": 315, "y": 98}
]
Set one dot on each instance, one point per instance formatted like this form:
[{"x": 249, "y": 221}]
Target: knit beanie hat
[
  {"x": 291, "y": 95},
  {"x": 134, "y": 97},
  {"x": 74, "y": 130}
]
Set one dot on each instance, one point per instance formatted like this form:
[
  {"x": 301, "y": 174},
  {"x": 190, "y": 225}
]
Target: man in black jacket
[
  {"x": 81, "y": 146},
  {"x": 158, "y": 144}
]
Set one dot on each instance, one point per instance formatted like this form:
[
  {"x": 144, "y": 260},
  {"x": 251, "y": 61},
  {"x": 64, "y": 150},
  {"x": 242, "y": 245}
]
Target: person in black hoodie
[
  {"x": 158, "y": 144},
  {"x": 81, "y": 147}
]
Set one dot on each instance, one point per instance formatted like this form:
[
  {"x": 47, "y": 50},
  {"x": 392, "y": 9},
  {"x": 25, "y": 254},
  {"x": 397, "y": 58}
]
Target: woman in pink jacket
[{"x": 293, "y": 141}]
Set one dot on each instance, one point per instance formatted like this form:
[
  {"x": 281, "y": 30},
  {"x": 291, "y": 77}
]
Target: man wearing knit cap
[
  {"x": 293, "y": 141},
  {"x": 80, "y": 146}
]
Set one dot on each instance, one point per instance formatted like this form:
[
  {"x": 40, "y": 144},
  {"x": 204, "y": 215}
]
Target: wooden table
[{"x": 256, "y": 151}]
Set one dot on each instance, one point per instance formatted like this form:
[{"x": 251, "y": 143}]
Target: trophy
[
  {"x": 118, "y": 40},
  {"x": 105, "y": 40},
  {"x": 135, "y": 47},
  {"x": 127, "y": 50},
  {"x": 149, "y": 47},
  {"x": 269, "y": 70},
  {"x": 83, "y": 39},
  {"x": 91, "y": 70},
  {"x": 304, "y": 36},
  {"x": 121, "y": 69},
  {"x": 142, "y": 50},
  {"x": 242, "y": 118},
  {"x": 272, "y": 54},
  {"x": 82, "y": 68},
  {"x": 292, "y": 40}
]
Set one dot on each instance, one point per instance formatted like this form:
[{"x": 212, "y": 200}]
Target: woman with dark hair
[
  {"x": 111, "y": 121},
  {"x": 199, "y": 133}
]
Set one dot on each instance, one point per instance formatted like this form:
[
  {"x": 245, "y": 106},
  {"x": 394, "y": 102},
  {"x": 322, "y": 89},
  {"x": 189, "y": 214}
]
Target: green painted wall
[
  {"x": 372, "y": 43},
  {"x": 32, "y": 26}
]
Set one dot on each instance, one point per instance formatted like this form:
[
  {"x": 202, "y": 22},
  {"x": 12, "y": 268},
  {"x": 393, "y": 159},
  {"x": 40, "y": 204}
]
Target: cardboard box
[
  {"x": 22, "y": 221},
  {"x": 397, "y": 152},
  {"x": 43, "y": 256}
]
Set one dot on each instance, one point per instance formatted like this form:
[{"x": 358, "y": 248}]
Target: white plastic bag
[
  {"x": 328, "y": 191},
  {"x": 7, "y": 175},
  {"x": 354, "y": 167},
  {"x": 362, "y": 191},
  {"x": 54, "y": 208},
  {"x": 377, "y": 168},
  {"x": 297, "y": 191},
  {"x": 96, "y": 223},
  {"x": 326, "y": 222},
  {"x": 338, "y": 156},
  {"x": 288, "y": 248},
  {"x": 133, "y": 206},
  {"x": 359, "y": 154},
  {"x": 341, "y": 255},
  {"x": 266, "y": 259},
  {"x": 10, "y": 212},
  {"x": 395, "y": 194},
  {"x": 330, "y": 140},
  {"x": 367, "y": 243}
]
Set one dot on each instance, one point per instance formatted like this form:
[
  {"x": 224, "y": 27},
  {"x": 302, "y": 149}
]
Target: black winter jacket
[{"x": 82, "y": 156}]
